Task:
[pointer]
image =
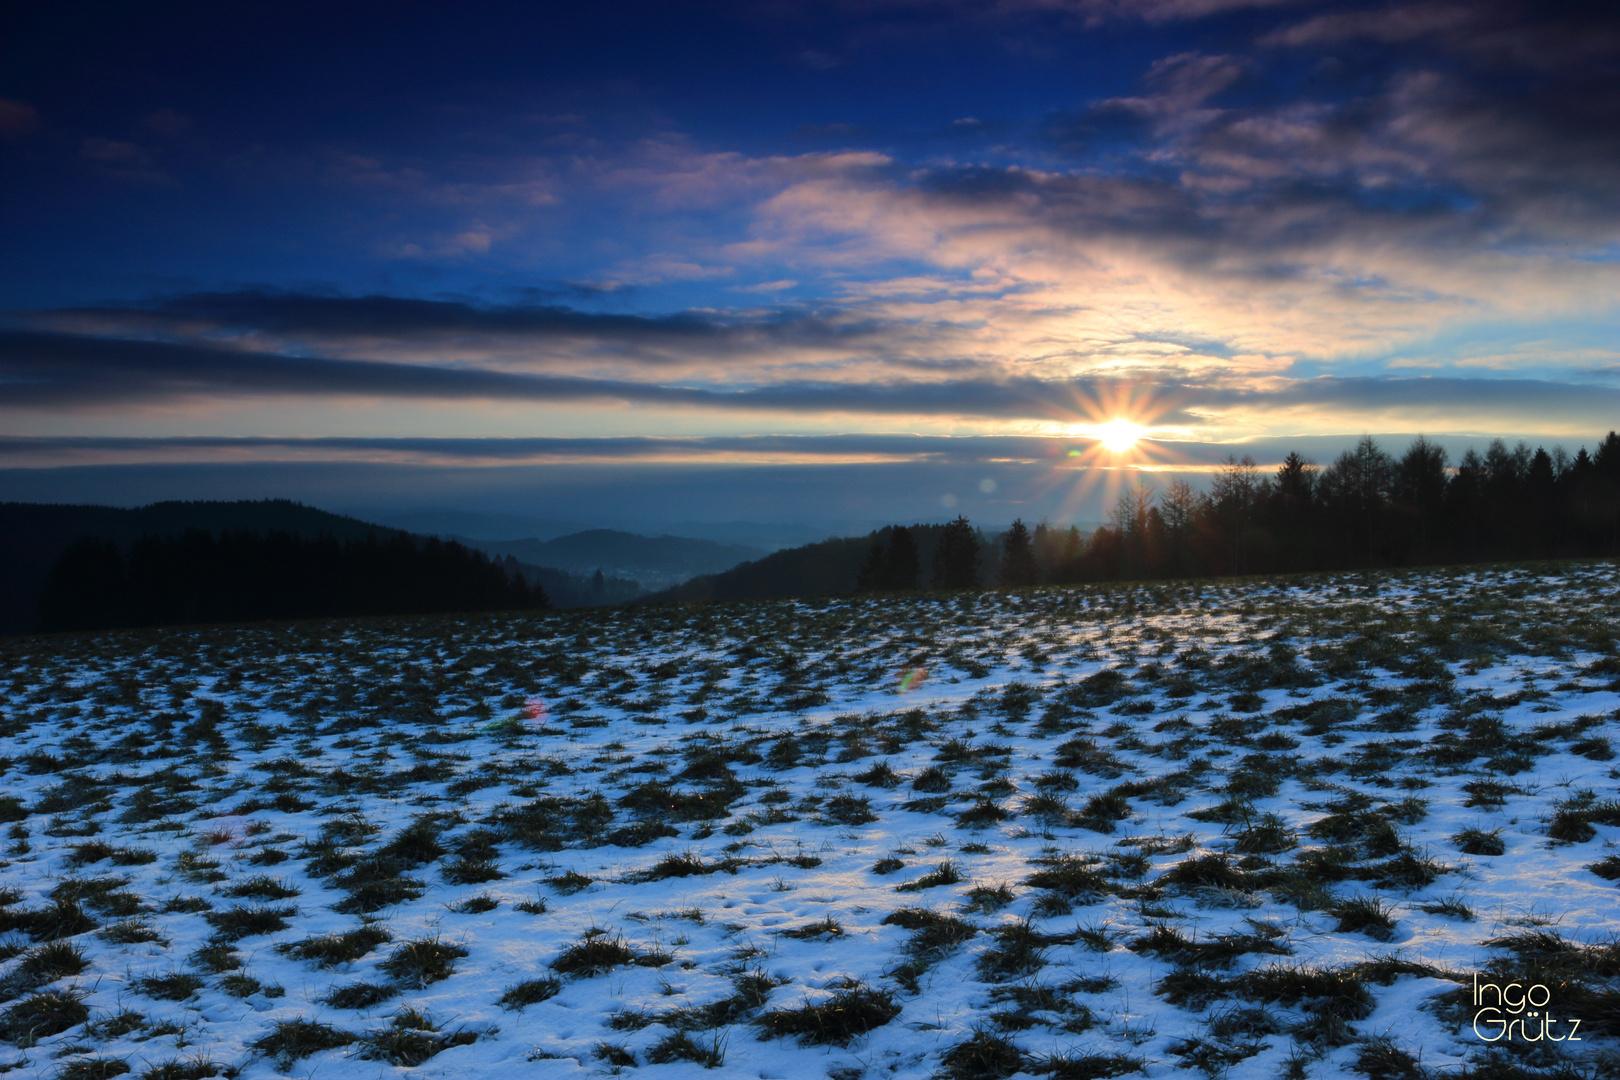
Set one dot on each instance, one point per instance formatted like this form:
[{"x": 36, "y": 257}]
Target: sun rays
[{"x": 1110, "y": 443}]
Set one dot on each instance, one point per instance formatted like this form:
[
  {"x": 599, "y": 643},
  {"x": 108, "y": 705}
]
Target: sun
[{"x": 1119, "y": 434}]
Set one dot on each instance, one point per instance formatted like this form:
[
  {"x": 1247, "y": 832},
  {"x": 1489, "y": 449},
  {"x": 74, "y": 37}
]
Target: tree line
[
  {"x": 958, "y": 557},
  {"x": 238, "y": 576},
  {"x": 1367, "y": 509}
]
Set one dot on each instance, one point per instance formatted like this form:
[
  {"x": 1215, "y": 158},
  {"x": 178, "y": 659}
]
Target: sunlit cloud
[{"x": 1314, "y": 219}]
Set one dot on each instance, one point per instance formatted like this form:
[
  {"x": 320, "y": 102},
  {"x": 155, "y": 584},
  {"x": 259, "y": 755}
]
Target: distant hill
[
  {"x": 478, "y": 525},
  {"x": 767, "y": 536},
  {"x": 244, "y": 576},
  {"x": 827, "y": 568},
  {"x": 568, "y": 589},
  {"x": 466, "y": 523},
  {"x": 654, "y": 561},
  {"x": 33, "y": 537}
]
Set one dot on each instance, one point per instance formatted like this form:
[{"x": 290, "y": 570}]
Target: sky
[{"x": 780, "y": 261}]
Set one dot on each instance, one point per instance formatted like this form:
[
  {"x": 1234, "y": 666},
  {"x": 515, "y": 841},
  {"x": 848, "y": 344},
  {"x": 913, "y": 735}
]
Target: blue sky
[{"x": 557, "y": 246}]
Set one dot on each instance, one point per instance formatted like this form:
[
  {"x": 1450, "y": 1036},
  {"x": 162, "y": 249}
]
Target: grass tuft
[
  {"x": 235, "y": 923},
  {"x": 292, "y": 1040},
  {"x": 423, "y": 961},
  {"x": 410, "y": 1038},
  {"x": 985, "y": 1056},
  {"x": 330, "y": 950},
  {"x": 175, "y": 986},
  {"x": 943, "y": 873},
  {"x": 1364, "y": 915},
  {"x": 1378, "y": 1058},
  {"x": 193, "y": 1068},
  {"x": 1073, "y": 877},
  {"x": 597, "y": 953},
  {"x": 1085, "y": 1066},
  {"x": 530, "y": 992},
  {"x": 360, "y": 995},
  {"x": 55, "y": 960},
  {"x": 852, "y": 1010},
  {"x": 826, "y": 928},
  {"x": 261, "y": 887},
  {"x": 1479, "y": 842},
  {"x": 42, "y": 1015},
  {"x": 93, "y": 1068}
]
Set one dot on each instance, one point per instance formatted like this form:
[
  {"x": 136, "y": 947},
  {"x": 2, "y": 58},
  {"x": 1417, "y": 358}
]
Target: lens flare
[
  {"x": 1119, "y": 434},
  {"x": 1112, "y": 439}
]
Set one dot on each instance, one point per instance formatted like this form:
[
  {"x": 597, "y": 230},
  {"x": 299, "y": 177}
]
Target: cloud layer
[{"x": 1223, "y": 218}]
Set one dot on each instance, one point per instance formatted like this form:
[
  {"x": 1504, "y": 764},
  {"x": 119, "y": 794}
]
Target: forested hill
[
  {"x": 36, "y": 536},
  {"x": 200, "y": 577},
  {"x": 828, "y": 568}
]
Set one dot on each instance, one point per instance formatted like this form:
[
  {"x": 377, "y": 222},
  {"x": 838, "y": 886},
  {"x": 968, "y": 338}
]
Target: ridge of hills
[
  {"x": 500, "y": 527},
  {"x": 635, "y": 568},
  {"x": 656, "y": 562},
  {"x": 34, "y": 535},
  {"x": 822, "y": 569}
]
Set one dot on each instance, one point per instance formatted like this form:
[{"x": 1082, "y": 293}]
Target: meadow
[{"x": 1269, "y": 827}]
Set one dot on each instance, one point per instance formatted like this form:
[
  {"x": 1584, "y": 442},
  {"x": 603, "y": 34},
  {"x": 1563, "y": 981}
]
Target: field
[{"x": 1261, "y": 828}]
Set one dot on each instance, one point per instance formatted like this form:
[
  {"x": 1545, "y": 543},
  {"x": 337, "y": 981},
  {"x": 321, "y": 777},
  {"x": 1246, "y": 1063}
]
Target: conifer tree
[
  {"x": 1017, "y": 557},
  {"x": 956, "y": 559},
  {"x": 874, "y": 572},
  {"x": 901, "y": 568}
]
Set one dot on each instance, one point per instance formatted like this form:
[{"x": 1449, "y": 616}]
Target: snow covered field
[{"x": 1259, "y": 829}]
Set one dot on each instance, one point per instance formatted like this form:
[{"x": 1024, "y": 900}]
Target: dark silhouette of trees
[
  {"x": 890, "y": 568},
  {"x": 1290, "y": 503},
  {"x": 956, "y": 558},
  {"x": 1017, "y": 557},
  {"x": 1367, "y": 509},
  {"x": 1233, "y": 497},
  {"x": 1354, "y": 490},
  {"x": 904, "y": 562},
  {"x": 874, "y": 570},
  {"x": 1604, "y": 507},
  {"x": 240, "y": 576},
  {"x": 1055, "y": 547},
  {"x": 87, "y": 587},
  {"x": 1417, "y": 500}
]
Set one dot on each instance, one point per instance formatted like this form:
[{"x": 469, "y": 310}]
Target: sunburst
[
  {"x": 1110, "y": 445},
  {"x": 1119, "y": 434}
]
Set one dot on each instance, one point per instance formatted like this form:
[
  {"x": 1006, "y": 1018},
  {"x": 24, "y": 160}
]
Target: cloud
[
  {"x": 1357, "y": 190},
  {"x": 17, "y": 118},
  {"x": 58, "y": 371},
  {"x": 168, "y": 123},
  {"x": 1099, "y": 11},
  {"x": 112, "y": 152},
  {"x": 660, "y": 268},
  {"x": 76, "y": 371},
  {"x": 122, "y": 160},
  {"x": 1407, "y": 191},
  {"x": 1534, "y": 34},
  {"x": 754, "y": 449},
  {"x": 1026, "y": 465},
  {"x": 308, "y": 320},
  {"x": 1169, "y": 10},
  {"x": 457, "y": 184}
]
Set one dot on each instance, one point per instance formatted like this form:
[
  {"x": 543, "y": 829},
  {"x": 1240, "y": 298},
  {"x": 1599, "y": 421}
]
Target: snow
[{"x": 387, "y": 720}]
